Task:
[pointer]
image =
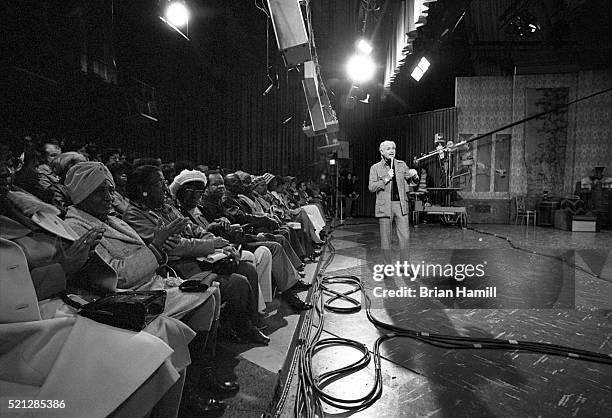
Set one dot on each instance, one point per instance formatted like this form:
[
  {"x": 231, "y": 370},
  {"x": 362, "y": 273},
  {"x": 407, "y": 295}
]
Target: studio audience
[{"x": 84, "y": 224}]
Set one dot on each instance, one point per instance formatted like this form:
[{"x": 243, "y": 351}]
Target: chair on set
[{"x": 523, "y": 212}]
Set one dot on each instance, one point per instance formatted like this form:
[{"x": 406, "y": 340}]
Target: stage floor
[{"x": 543, "y": 299}]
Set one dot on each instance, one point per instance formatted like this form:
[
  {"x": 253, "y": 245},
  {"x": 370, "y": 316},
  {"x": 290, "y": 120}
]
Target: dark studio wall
[{"x": 208, "y": 91}]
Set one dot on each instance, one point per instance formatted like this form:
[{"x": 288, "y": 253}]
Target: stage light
[
  {"x": 522, "y": 24},
  {"x": 366, "y": 100},
  {"x": 424, "y": 64},
  {"x": 360, "y": 68},
  {"x": 417, "y": 73},
  {"x": 177, "y": 14},
  {"x": 364, "y": 47},
  {"x": 332, "y": 162},
  {"x": 420, "y": 69}
]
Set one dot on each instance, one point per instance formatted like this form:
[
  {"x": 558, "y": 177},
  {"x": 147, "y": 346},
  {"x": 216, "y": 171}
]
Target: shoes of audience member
[
  {"x": 300, "y": 285},
  {"x": 253, "y": 335},
  {"x": 295, "y": 302},
  {"x": 259, "y": 323},
  {"x": 230, "y": 334},
  {"x": 302, "y": 274},
  {"x": 199, "y": 405},
  {"x": 301, "y": 267},
  {"x": 314, "y": 255},
  {"x": 211, "y": 383}
]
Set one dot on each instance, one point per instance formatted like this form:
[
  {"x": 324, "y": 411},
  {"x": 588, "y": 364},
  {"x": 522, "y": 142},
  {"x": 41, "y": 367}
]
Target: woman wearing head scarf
[
  {"x": 49, "y": 255},
  {"x": 133, "y": 263},
  {"x": 53, "y": 250}
]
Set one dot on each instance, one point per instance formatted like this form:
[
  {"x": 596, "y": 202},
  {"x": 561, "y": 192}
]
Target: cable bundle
[{"x": 311, "y": 393}]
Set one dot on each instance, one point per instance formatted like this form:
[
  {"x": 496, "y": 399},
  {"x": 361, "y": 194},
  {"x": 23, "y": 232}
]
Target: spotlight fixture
[
  {"x": 176, "y": 15},
  {"x": 360, "y": 68},
  {"x": 364, "y": 47},
  {"x": 420, "y": 69}
]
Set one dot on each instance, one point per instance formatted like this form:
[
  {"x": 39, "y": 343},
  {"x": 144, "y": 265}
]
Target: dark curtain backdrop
[{"x": 238, "y": 129}]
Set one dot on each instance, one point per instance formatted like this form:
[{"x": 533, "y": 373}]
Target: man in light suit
[{"x": 389, "y": 179}]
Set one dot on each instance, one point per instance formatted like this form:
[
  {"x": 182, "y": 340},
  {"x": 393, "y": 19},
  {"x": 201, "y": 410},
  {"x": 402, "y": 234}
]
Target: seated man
[
  {"x": 215, "y": 206},
  {"x": 188, "y": 188},
  {"x": 303, "y": 198},
  {"x": 308, "y": 214},
  {"x": 275, "y": 204},
  {"x": 247, "y": 199}
]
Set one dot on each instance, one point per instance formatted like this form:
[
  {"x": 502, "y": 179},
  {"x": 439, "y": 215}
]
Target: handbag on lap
[{"x": 132, "y": 310}]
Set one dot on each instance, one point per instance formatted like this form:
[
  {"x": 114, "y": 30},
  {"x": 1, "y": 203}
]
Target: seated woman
[
  {"x": 83, "y": 364},
  {"x": 276, "y": 187},
  {"x": 132, "y": 263},
  {"x": 291, "y": 198},
  {"x": 60, "y": 166},
  {"x": 120, "y": 171},
  {"x": 188, "y": 188},
  {"x": 55, "y": 254},
  {"x": 146, "y": 189},
  {"x": 303, "y": 198},
  {"x": 300, "y": 238}
]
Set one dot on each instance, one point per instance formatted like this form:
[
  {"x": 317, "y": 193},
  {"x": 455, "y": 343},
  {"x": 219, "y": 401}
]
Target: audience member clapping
[{"x": 146, "y": 188}]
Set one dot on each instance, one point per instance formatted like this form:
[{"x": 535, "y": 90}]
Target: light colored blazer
[
  {"x": 383, "y": 191},
  {"x": 194, "y": 240},
  {"x": 121, "y": 248},
  {"x": 135, "y": 267},
  {"x": 87, "y": 365}
]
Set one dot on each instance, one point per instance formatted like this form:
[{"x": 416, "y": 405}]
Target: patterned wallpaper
[
  {"x": 593, "y": 125},
  {"x": 487, "y": 103},
  {"x": 518, "y": 170},
  {"x": 483, "y": 103}
]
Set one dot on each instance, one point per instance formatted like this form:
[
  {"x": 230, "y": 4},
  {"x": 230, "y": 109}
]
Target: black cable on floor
[{"x": 516, "y": 247}]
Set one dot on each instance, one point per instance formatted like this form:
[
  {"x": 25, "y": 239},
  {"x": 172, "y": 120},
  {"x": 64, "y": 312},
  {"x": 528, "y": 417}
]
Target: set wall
[
  {"x": 593, "y": 125},
  {"x": 487, "y": 103}
]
